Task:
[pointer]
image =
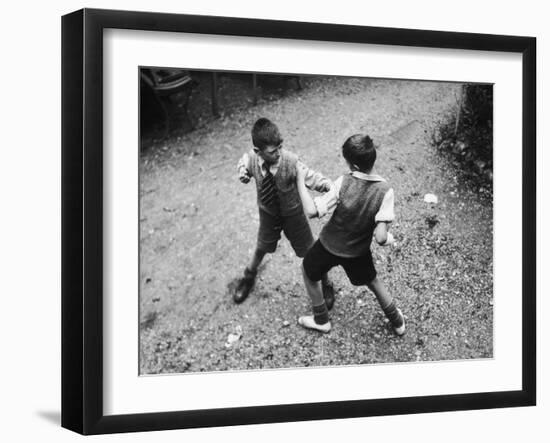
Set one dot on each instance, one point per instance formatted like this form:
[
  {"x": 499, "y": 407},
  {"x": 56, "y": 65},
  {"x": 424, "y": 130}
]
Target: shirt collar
[{"x": 368, "y": 177}]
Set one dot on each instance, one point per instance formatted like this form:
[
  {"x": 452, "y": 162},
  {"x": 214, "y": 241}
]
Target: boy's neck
[
  {"x": 268, "y": 163},
  {"x": 355, "y": 169}
]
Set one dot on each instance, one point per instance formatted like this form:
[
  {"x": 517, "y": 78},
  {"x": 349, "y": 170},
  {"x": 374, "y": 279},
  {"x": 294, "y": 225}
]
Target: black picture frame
[{"x": 82, "y": 221}]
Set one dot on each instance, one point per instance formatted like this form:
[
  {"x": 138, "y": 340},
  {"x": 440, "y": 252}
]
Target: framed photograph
[{"x": 269, "y": 221}]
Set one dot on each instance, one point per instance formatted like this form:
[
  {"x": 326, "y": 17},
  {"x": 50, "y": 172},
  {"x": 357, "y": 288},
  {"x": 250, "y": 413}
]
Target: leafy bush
[{"x": 468, "y": 133}]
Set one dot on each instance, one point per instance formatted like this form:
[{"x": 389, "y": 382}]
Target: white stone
[{"x": 431, "y": 198}]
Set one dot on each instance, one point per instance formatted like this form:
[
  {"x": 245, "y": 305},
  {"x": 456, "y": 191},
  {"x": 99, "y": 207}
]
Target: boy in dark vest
[
  {"x": 275, "y": 172},
  {"x": 363, "y": 207}
]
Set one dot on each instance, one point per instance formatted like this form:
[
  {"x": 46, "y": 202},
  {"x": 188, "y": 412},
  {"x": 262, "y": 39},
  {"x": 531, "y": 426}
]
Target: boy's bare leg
[
  {"x": 246, "y": 283},
  {"x": 387, "y": 304},
  {"x": 380, "y": 292}
]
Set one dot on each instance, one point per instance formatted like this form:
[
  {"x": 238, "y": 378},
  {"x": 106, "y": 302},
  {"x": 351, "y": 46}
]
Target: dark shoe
[
  {"x": 244, "y": 286},
  {"x": 328, "y": 294}
]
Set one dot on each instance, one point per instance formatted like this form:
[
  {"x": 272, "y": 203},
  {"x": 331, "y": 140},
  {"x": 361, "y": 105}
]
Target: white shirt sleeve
[
  {"x": 328, "y": 201},
  {"x": 243, "y": 163},
  {"x": 386, "y": 213},
  {"x": 315, "y": 180}
]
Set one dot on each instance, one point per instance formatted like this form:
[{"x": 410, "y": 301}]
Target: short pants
[
  {"x": 318, "y": 261},
  {"x": 295, "y": 227}
]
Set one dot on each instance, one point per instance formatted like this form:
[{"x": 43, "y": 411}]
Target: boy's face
[{"x": 270, "y": 154}]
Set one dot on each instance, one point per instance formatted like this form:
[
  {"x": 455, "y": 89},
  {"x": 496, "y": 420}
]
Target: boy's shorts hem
[
  {"x": 318, "y": 261},
  {"x": 295, "y": 227}
]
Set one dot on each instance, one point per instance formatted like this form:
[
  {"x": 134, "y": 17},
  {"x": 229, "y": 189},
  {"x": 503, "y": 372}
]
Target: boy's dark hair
[
  {"x": 265, "y": 133},
  {"x": 360, "y": 151}
]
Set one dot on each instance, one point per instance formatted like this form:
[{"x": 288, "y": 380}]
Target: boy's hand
[
  {"x": 382, "y": 236},
  {"x": 244, "y": 175}
]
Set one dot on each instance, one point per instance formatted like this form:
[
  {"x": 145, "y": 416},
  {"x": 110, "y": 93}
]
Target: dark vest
[
  {"x": 285, "y": 181},
  {"x": 349, "y": 231}
]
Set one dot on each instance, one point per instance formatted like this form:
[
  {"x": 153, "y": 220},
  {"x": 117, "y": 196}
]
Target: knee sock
[
  {"x": 320, "y": 314},
  {"x": 393, "y": 315}
]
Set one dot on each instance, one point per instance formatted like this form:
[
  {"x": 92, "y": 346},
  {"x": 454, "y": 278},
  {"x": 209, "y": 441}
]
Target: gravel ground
[{"x": 198, "y": 227}]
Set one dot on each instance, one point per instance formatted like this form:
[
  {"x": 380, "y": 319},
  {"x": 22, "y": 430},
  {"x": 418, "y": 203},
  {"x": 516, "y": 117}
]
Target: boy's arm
[
  {"x": 383, "y": 218},
  {"x": 327, "y": 202},
  {"x": 382, "y": 236},
  {"x": 307, "y": 201},
  {"x": 243, "y": 168},
  {"x": 315, "y": 180},
  {"x": 322, "y": 205}
]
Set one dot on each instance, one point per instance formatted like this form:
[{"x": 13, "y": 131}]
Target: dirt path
[{"x": 199, "y": 224}]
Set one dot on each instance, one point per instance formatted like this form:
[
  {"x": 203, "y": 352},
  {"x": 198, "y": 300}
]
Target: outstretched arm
[
  {"x": 307, "y": 201},
  {"x": 243, "y": 169},
  {"x": 315, "y": 180}
]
